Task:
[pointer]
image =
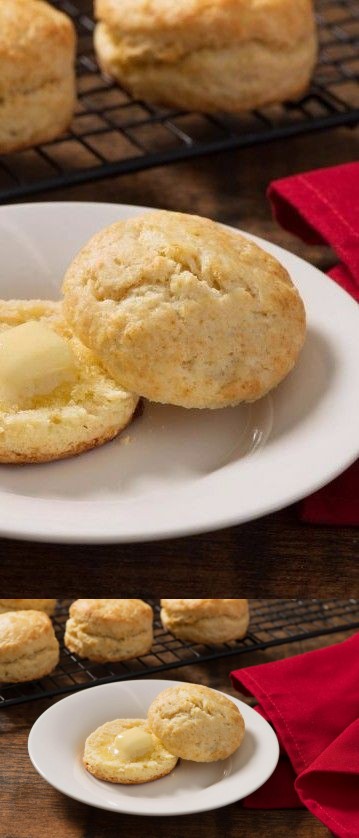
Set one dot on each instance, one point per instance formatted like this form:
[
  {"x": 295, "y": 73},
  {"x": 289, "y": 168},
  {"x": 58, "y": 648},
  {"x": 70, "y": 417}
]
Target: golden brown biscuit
[
  {"x": 205, "y": 620},
  {"x": 72, "y": 419},
  {"x": 28, "y": 646},
  {"x": 209, "y": 55},
  {"x": 196, "y": 723},
  {"x": 47, "y": 605},
  {"x": 181, "y": 310},
  {"x": 37, "y": 76},
  {"x": 109, "y": 629},
  {"x": 101, "y": 761}
]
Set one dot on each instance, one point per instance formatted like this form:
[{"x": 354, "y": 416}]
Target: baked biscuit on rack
[
  {"x": 109, "y": 629},
  {"x": 205, "y": 620},
  {"x": 208, "y": 55},
  {"x": 28, "y": 646},
  {"x": 37, "y": 74}
]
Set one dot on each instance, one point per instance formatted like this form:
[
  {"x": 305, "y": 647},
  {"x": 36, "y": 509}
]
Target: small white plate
[
  {"x": 183, "y": 471},
  {"x": 57, "y": 739}
]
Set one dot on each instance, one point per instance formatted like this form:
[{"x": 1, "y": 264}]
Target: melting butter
[
  {"x": 34, "y": 361},
  {"x": 132, "y": 744}
]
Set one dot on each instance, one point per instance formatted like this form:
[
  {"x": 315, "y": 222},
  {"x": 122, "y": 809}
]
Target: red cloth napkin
[
  {"x": 322, "y": 207},
  {"x": 312, "y": 701}
]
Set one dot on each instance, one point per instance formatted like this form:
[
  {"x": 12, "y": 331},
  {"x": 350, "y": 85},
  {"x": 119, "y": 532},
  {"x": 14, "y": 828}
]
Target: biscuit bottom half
[
  {"x": 234, "y": 77},
  {"x": 101, "y": 760},
  {"x": 36, "y": 115},
  {"x": 72, "y": 419},
  {"x": 28, "y": 667},
  {"x": 99, "y": 648}
]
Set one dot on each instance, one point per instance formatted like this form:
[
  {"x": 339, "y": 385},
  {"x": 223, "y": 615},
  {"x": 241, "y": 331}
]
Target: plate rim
[
  {"x": 54, "y": 531},
  {"x": 128, "y": 810}
]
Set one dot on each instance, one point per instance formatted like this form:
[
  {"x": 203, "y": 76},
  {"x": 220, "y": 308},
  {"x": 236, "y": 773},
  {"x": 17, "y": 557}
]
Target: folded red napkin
[
  {"x": 312, "y": 701},
  {"x": 322, "y": 207}
]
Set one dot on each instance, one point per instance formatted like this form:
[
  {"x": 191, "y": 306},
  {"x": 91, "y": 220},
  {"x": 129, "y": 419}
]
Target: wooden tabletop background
[
  {"x": 32, "y": 809},
  {"x": 276, "y": 555}
]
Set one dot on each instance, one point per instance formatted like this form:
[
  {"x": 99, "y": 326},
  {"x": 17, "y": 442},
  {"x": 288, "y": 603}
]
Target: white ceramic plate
[
  {"x": 183, "y": 471},
  {"x": 57, "y": 740}
]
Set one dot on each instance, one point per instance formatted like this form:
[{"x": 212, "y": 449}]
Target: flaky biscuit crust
[
  {"x": 99, "y": 761},
  {"x": 209, "y": 55},
  {"x": 37, "y": 76},
  {"x": 73, "y": 419},
  {"x": 196, "y": 723},
  {"x": 109, "y": 629},
  {"x": 47, "y": 605},
  {"x": 205, "y": 620},
  {"x": 183, "y": 311},
  {"x": 208, "y": 22},
  {"x": 28, "y": 646}
]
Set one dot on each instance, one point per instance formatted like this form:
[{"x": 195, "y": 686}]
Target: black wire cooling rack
[
  {"x": 274, "y": 622},
  {"x": 113, "y": 134}
]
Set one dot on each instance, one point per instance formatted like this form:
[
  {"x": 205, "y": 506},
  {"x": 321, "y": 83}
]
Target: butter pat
[
  {"x": 132, "y": 744},
  {"x": 34, "y": 360}
]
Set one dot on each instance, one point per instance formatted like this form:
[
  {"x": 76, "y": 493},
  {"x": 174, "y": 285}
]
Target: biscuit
[
  {"x": 205, "y": 620},
  {"x": 196, "y": 723},
  {"x": 208, "y": 55},
  {"x": 46, "y": 605},
  {"x": 103, "y": 764},
  {"x": 109, "y": 629},
  {"x": 72, "y": 419},
  {"x": 37, "y": 76},
  {"x": 28, "y": 646},
  {"x": 184, "y": 311}
]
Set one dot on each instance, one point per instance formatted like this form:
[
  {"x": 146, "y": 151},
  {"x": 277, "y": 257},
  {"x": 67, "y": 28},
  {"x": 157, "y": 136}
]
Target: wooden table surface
[
  {"x": 32, "y": 809},
  {"x": 276, "y": 555}
]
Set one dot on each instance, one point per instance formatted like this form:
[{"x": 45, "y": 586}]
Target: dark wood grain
[
  {"x": 275, "y": 556},
  {"x": 32, "y": 809}
]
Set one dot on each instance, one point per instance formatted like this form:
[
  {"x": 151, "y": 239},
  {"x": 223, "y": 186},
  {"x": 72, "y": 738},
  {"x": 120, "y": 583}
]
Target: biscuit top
[
  {"x": 23, "y": 604},
  {"x": 196, "y": 723},
  {"x": 110, "y": 611},
  {"x": 185, "y": 311},
  {"x": 178, "y": 28},
  {"x": 37, "y": 45},
  {"x": 168, "y": 257},
  {"x": 190, "y": 700},
  {"x": 23, "y": 628},
  {"x": 206, "y": 607}
]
